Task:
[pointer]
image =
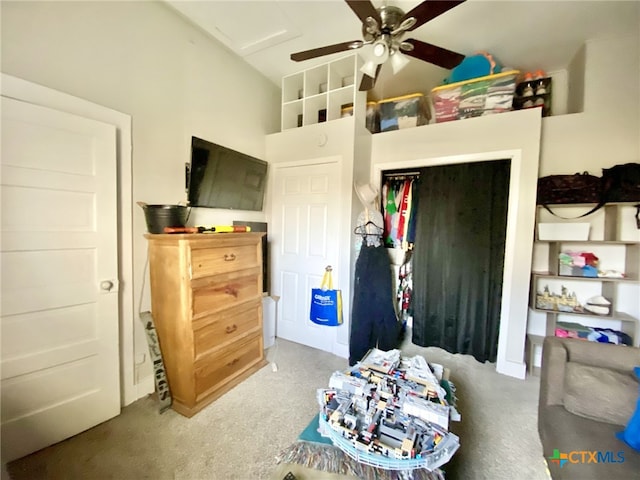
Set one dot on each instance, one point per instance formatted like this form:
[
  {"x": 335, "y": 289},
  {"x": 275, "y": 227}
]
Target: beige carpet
[{"x": 240, "y": 435}]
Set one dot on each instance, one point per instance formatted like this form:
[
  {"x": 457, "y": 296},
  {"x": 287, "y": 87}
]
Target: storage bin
[
  {"x": 476, "y": 97},
  {"x": 403, "y": 112},
  {"x": 373, "y": 117},
  {"x": 578, "y": 232},
  {"x": 572, "y": 271}
]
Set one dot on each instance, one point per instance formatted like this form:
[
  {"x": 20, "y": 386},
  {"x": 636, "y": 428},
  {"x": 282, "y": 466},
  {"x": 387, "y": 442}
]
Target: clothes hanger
[{"x": 362, "y": 229}]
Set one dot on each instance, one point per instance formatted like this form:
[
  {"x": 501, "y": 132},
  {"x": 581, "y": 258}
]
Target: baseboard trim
[
  {"x": 512, "y": 369},
  {"x": 145, "y": 387}
]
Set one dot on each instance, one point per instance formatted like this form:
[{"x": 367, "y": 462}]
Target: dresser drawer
[
  {"x": 214, "y": 370},
  {"x": 209, "y": 261},
  {"x": 220, "y": 292},
  {"x": 215, "y": 331}
]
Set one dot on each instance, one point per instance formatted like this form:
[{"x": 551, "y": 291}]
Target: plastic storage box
[
  {"x": 578, "y": 232},
  {"x": 373, "y": 117},
  {"x": 475, "y": 97},
  {"x": 403, "y": 112}
]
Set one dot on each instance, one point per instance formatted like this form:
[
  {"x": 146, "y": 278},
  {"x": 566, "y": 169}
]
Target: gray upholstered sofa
[{"x": 588, "y": 392}]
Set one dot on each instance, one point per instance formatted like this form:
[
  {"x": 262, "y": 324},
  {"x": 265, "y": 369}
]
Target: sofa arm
[
  {"x": 554, "y": 359},
  {"x": 556, "y": 352}
]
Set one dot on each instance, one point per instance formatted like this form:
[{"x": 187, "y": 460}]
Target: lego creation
[
  {"x": 564, "y": 302},
  {"x": 390, "y": 412}
]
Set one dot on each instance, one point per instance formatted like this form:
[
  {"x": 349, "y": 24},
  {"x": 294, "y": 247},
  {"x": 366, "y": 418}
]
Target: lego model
[
  {"x": 565, "y": 302},
  {"x": 390, "y": 412}
]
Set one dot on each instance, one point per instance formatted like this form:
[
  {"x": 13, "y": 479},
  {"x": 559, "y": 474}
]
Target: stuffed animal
[{"x": 478, "y": 65}]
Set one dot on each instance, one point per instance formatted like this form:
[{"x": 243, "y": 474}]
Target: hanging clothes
[
  {"x": 373, "y": 318},
  {"x": 399, "y": 208},
  {"x": 405, "y": 289}
]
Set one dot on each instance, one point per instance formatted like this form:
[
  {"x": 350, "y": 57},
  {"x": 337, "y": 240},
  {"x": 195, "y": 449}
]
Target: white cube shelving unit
[{"x": 319, "y": 93}]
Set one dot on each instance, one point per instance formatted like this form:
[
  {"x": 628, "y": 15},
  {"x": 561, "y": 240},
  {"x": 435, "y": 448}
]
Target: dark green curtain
[{"x": 458, "y": 258}]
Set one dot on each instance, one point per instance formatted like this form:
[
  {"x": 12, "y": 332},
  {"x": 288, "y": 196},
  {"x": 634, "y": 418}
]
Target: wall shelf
[
  {"x": 612, "y": 249},
  {"x": 554, "y": 276}
]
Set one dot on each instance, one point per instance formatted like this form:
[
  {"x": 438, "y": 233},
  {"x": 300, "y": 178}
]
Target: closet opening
[
  {"x": 445, "y": 231},
  {"x": 398, "y": 205}
]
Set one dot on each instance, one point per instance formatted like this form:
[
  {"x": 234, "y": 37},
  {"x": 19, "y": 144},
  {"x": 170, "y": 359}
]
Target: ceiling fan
[{"x": 384, "y": 28}]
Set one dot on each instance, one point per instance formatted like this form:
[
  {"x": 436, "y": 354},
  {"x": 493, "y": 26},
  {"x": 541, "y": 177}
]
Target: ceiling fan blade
[
  {"x": 437, "y": 55},
  {"x": 428, "y": 10},
  {"x": 364, "y": 9},
  {"x": 367, "y": 82},
  {"x": 326, "y": 50}
]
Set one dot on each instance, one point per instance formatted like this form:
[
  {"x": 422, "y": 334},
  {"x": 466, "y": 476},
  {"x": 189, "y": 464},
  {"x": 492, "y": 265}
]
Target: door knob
[{"x": 106, "y": 285}]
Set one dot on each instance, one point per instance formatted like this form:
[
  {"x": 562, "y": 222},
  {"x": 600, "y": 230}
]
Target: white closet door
[{"x": 306, "y": 206}]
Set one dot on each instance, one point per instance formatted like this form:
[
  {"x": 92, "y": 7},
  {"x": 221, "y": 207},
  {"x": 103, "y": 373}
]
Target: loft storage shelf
[
  {"x": 292, "y": 88},
  {"x": 318, "y": 94}
]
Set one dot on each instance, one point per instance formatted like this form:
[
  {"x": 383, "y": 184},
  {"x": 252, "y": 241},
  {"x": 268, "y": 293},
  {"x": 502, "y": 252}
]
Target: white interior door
[
  {"x": 59, "y": 306},
  {"x": 306, "y": 206}
]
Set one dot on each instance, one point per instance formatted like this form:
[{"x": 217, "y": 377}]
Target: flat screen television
[{"x": 219, "y": 177}]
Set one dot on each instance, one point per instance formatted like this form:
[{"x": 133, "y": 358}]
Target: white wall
[
  {"x": 607, "y": 132},
  {"x": 142, "y": 59},
  {"x": 324, "y": 140}
]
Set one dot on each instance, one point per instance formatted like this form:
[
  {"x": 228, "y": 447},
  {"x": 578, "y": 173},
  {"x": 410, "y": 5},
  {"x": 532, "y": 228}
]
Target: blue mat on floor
[{"x": 310, "y": 433}]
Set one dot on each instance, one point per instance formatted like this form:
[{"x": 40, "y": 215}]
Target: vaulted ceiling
[{"x": 527, "y": 35}]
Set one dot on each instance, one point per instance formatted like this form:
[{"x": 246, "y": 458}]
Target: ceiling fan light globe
[
  {"x": 380, "y": 52},
  {"x": 369, "y": 68},
  {"x": 398, "y": 62},
  {"x": 379, "y": 49}
]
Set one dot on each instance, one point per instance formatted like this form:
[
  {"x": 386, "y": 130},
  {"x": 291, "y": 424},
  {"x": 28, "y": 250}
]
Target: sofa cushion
[
  {"x": 567, "y": 433},
  {"x": 599, "y": 393}
]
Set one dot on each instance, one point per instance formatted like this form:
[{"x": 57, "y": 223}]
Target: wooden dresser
[{"x": 206, "y": 302}]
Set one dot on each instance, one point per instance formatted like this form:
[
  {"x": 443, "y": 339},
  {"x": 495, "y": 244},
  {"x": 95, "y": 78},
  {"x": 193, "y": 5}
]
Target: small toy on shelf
[
  {"x": 480, "y": 64},
  {"x": 598, "y": 305},
  {"x": 564, "y": 302}
]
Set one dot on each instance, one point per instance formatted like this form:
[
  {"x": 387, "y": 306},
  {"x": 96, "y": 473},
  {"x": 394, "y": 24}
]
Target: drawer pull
[
  {"x": 231, "y": 291},
  {"x": 232, "y": 362},
  {"x": 231, "y": 328},
  {"x": 229, "y": 257}
]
